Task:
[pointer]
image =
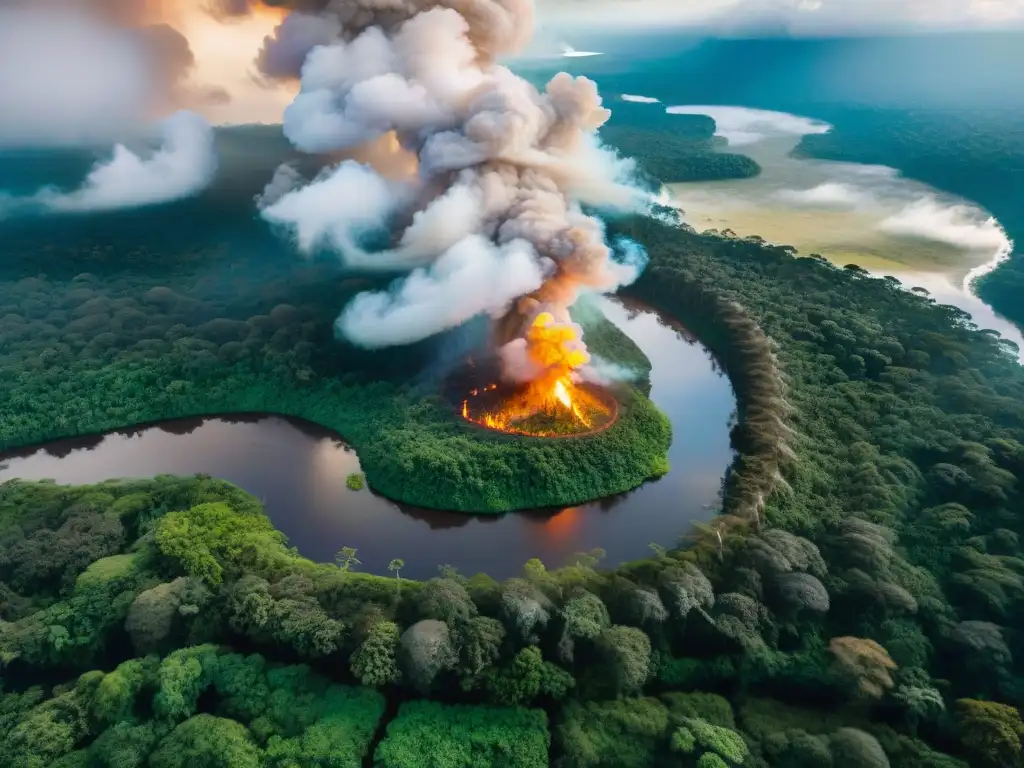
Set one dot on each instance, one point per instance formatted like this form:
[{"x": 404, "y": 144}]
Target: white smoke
[
  {"x": 184, "y": 165},
  {"x": 472, "y": 277},
  {"x": 827, "y": 195},
  {"x": 604, "y": 372},
  {"x": 335, "y": 209},
  {"x": 490, "y": 218},
  {"x": 639, "y": 99}
]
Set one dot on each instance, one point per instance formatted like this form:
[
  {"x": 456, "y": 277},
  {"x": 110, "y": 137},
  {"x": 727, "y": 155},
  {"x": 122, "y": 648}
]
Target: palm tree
[
  {"x": 346, "y": 558},
  {"x": 397, "y": 565}
]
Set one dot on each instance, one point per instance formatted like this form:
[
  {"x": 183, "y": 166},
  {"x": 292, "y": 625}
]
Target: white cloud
[
  {"x": 183, "y": 165},
  {"x": 743, "y": 126},
  {"x": 957, "y": 225},
  {"x": 640, "y": 99}
]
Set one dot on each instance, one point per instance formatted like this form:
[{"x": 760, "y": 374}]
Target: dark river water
[{"x": 298, "y": 470}]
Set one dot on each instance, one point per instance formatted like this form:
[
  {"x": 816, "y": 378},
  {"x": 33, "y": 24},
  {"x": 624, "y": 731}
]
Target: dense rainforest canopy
[
  {"x": 674, "y": 148},
  {"x": 857, "y": 606}
]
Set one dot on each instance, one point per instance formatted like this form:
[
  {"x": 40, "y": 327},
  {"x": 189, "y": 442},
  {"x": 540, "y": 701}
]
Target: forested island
[{"x": 673, "y": 148}]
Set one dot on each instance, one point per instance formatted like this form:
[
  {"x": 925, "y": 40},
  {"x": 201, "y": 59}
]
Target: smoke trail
[
  {"x": 492, "y": 220},
  {"x": 183, "y": 165}
]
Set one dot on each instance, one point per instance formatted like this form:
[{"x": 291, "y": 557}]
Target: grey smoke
[
  {"x": 286, "y": 178},
  {"x": 284, "y": 52}
]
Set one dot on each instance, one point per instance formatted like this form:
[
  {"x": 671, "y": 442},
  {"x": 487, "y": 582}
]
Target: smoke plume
[
  {"x": 334, "y": 210},
  {"x": 490, "y": 218},
  {"x": 184, "y": 164}
]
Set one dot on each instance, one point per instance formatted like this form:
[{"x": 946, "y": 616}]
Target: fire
[
  {"x": 562, "y": 394},
  {"x": 563, "y": 409},
  {"x": 552, "y": 403}
]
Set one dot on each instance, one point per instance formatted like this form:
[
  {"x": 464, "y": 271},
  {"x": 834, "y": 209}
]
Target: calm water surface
[{"x": 298, "y": 470}]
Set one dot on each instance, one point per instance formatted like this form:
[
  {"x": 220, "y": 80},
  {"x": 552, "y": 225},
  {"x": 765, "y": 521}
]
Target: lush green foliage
[
  {"x": 857, "y": 605},
  {"x": 430, "y": 735},
  {"x": 146, "y": 712}
]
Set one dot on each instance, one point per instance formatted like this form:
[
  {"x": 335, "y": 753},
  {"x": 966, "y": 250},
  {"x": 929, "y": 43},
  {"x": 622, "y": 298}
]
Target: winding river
[{"x": 298, "y": 470}]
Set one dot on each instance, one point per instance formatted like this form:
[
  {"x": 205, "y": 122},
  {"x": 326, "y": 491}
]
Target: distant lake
[{"x": 298, "y": 471}]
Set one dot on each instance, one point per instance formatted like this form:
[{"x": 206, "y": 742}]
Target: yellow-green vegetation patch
[
  {"x": 460, "y": 736},
  {"x": 131, "y": 505},
  {"x": 355, "y": 481},
  {"x": 108, "y": 569},
  {"x": 208, "y": 536}
]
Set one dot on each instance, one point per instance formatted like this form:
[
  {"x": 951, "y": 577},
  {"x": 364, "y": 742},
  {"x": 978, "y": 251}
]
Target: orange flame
[{"x": 556, "y": 351}]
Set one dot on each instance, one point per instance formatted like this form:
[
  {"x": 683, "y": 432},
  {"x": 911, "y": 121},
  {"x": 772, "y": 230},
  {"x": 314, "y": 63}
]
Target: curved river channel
[{"x": 298, "y": 470}]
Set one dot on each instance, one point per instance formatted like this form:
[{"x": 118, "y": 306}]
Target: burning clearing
[
  {"x": 551, "y": 401},
  {"x": 565, "y": 410}
]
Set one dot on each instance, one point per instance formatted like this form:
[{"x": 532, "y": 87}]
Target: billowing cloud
[
  {"x": 335, "y": 209},
  {"x": 183, "y": 165},
  {"x": 472, "y": 277},
  {"x": 284, "y": 51}
]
